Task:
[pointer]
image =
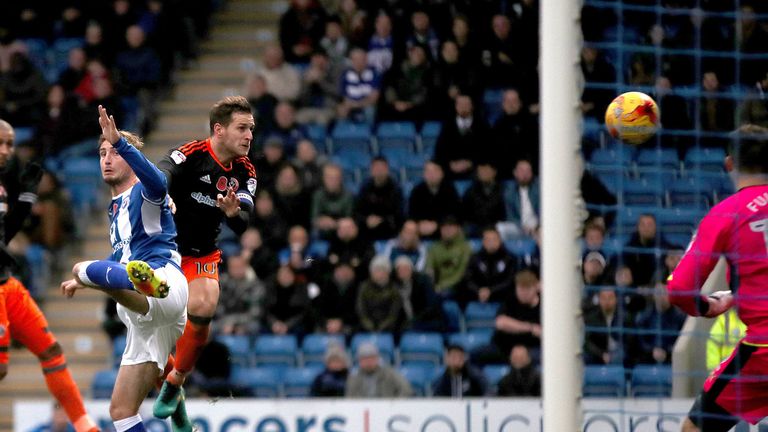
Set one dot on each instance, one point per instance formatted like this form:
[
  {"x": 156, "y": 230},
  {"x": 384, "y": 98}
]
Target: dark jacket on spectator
[
  {"x": 138, "y": 69},
  {"x": 494, "y": 271},
  {"x": 287, "y": 304},
  {"x": 483, "y": 204},
  {"x": 515, "y": 137},
  {"x": 379, "y": 307},
  {"x": 454, "y": 145},
  {"x": 329, "y": 384},
  {"x": 421, "y": 306},
  {"x": 468, "y": 382},
  {"x": 598, "y": 332},
  {"x": 294, "y": 209},
  {"x": 358, "y": 253},
  {"x": 425, "y": 205},
  {"x": 520, "y": 382},
  {"x": 385, "y": 201}
]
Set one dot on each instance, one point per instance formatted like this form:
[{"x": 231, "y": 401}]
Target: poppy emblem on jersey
[
  {"x": 221, "y": 184},
  {"x": 251, "y": 185},
  {"x": 114, "y": 209},
  {"x": 233, "y": 183}
]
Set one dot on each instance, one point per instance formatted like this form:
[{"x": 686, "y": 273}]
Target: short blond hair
[{"x": 131, "y": 137}]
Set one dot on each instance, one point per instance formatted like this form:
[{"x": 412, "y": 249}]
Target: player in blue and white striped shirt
[{"x": 142, "y": 274}]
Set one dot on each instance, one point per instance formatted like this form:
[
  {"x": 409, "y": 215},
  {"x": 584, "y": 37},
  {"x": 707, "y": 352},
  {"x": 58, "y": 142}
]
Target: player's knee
[
  {"x": 119, "y": 412},
  {"x": 51, "y": 352}
]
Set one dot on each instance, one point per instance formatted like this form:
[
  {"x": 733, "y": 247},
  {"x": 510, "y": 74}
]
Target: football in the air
[{"x": 632, "y": 117}]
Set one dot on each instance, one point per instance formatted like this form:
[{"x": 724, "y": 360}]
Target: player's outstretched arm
[{"x": 153, "y": 180}]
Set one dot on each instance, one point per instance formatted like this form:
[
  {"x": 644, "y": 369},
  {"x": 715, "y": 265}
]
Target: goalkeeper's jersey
[{"x": 736, "y": 228}]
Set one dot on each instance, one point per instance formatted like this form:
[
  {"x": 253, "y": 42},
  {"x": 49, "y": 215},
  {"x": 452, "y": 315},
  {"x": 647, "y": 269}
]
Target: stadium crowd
[{"x": 397, "y": 156}]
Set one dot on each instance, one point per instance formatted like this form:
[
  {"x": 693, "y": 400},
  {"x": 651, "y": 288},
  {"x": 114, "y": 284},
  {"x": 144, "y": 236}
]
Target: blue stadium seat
[
  {"x": 82, "y": 178},
  {"x": 612, "y": 177},
  {"x": 521, "y": 247},
  {"x": 492, "y": 104},
  {"x": 419, "y": 376},
  {"x": 103, "y": 383},
  {"x": 471, "y": 340},
  {"x": 475, "y": 244},
  {"x": 642, "y": 192},
  {"x": 626, "y": 218},
  {"x": 429, "y": 133},
  {"x": 480, "y": 315},
  {"x": 239, "y": 347},
  {"x": 384, "y": 341},
  {"x": 604, "y": 381},
  {"x": 680, "y": 240},
  {"x": 453, "y": 316},
  {"x": 297, "y": 382},
  {"x": 349, "y": 135},
  {"x": 317, "y": 133},
  {"x": 353, "y": 159},
  {"x": 705, "y": 159},
  {"x": 619, "y": 156},
  {"x": 276, "y": 350},
  {"x": 397, "y": 157},
  {"x": 396, "y": 135},
  {"x": 651, "y": 381},
  {"x": 678, "y": 221},
  {"x": 23, "y": 134},
  {"x": 118, "y": 347},
  {"x": 658, "y": 158},
  {"x": 314, "y": 346},
  {"x": 493, "y": 374},
  {"x": 37, "y": 50},
  {"x": 691, "y": 192},
  {"x": 421, "y": 348},
  {"x": 260, "y": 381}
]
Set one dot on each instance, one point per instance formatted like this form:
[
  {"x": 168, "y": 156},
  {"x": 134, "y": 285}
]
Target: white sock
[{"x": 127, "y": 423}]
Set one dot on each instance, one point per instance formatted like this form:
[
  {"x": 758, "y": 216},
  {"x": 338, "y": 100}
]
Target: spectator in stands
[
  {"x": 724, "y": 336},
  {"x": 501, "y": 57},
  {"x": 673, "y": 108},
  {"x": 522, "y": 199},
  {"x": 71, "y": 23},
  {"x": 374, "y": 380},
  {"x": 658, "y": 327},
  {"x": 309, "y": 164},
  {"x": 632, "y": 296},
  {"x": 270, "y": 163},
  {"x": 594, "y": 192},
  {"x": 319, "y": 91},
  {"x": 286, "y": 128},
  {"x": 332, "y": 380},
  {"x": 301, "y": 27},
  {"x": 262, "y": 102},
  {"x": 62, "y": 124},
  {"x": 431, "y": 200},
  {"x": 292, "y": 200},
  {"x": 483, "y": 202},
  {"x": 360, "y": 88},
  {"x": 514, "y": 135},
  {"x": 422, "y": 35},
  {"x": 286, "y": 304},
  {"x": 716, "y": 114},
  {"x": 459, "y": 140},
  {"x": 518, "y": 320},
  {"x": 334, "y": 43},
  {"x": 348, "y": 246},
  {"x": 120, "y": 17},
  {"x": 70, "y": 77},
  {"x": 594, "y": 236},
  {"x": 491, "y": 271},
  {"x": 274, "y": 228},
  {"x": 447, "y": 258},
  {"x": 607, "y": 340},
  {"x": 645, "y": 253},
  {"x": 523, "y": 378},
  {"x": 263, "y": 261},
  {"x": 95, "y": 71},
  {"x": 240, "y": 310},
  {"x": 453, "y": 75},
  {"x": 379, "y": 306},
  {"x": 381, "y": 46},
  {"x": 671, "y": 260},
  {"x": 95, "y": 47},
  {"x": 407, "y": 244},
  {"x": 139, "y": 75},
  {"x": 641, "y": 70},
  {"x": 299, "y": 255},
  {"x": 754, "y": 109},
  {"x": 379, "y": 204},
  {"x": 283, "y": 80},
  {"x": 353, "y": 22},
  {"x": 421, "y": 307},
  {"x": 330, "y": 202},
  {"x": 460, "y": 379},
  {"x": 594, "y": 269},
  {"x": 335, "y": 306},
  {"x": 465, "y": 42},
  {"x": 104, "y": 95},
  {"x": 405, "y": 99},
  {"x": 51, "y": 222},
  {"x": 23, "y": 88},
  {"x": 596, "y": 69}
]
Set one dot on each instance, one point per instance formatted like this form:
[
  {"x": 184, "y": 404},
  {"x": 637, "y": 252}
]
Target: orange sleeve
[{"x": 5, "y": 330}]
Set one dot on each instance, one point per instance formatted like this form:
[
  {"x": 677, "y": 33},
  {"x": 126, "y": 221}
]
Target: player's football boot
[
  {"x": 167, "y": 401},
  {"x": 146, "y": 280},
  {"x": 179, "y": 419}
]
